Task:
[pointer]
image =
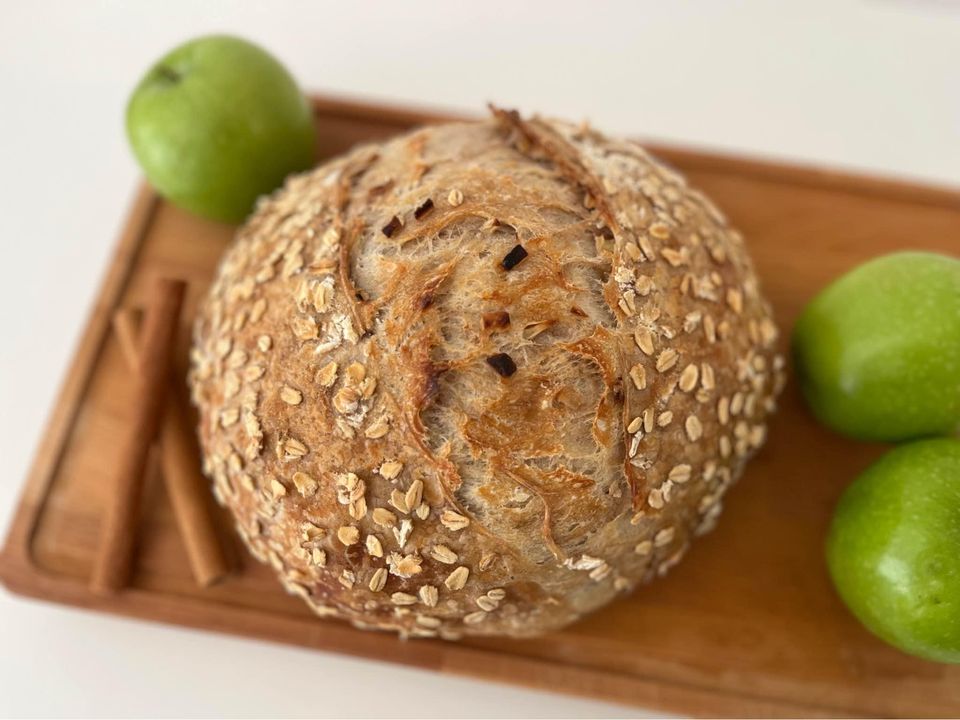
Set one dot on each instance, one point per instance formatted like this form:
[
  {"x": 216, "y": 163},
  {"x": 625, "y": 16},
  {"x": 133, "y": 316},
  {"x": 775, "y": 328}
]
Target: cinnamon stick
[
  {"x": 126, "y": 328},
  {"x": 113, "y": 564},
  {"x": 187, "y": 489},
  {"x": 185, "y": 484}
]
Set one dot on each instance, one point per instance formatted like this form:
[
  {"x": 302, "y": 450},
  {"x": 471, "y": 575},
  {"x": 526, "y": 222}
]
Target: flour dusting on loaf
[{"x": 481, "y": 378}]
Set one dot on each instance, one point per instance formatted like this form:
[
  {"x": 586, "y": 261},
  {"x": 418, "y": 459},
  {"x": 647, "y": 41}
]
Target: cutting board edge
[{"x": 26, "y": 580}]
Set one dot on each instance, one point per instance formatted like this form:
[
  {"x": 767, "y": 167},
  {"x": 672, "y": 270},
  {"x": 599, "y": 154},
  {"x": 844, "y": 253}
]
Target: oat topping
[
  {"x": 429, "y": 595},
  {"x": 414, "y": 494},
  {"x": 455, "y": 198},
  {"x": 429, "y": 622},
  {"x": 327, "y": 376},
  {"x": 457, "y": 579},
  {"x": 390, "y": 469},
  {"x": 378, "y": 428},
  {"x": 660, "y": 230},
  {"x": 487, "y": 604},
  {"x": 348, "y": 535},
  {"x": 644, "y": 339},
  {"x": 453, "y": 520},
  {"x": 693, "y": 427},
  {"x": 402, "y": 533},
  {"x": 305, "y": 484},
  {"x": 291, "y": 396},
  {"x": 289, "y": 448},
  {"x": 384, "y": 518},
  {"x": 405, "y": 566},
  {"x": 374, "y": 546},
  {"x": 664, "y": 537},
  {"x": 689, "y": 377},
  {"x": 253, "y": 372},
  {"x": 349, "y": 424},
  {"x": 402, "y": 598},
  {"x": 441, "y": 553},
  {"x": 648, "y": 420},
  {"x": 723, "y": 410},
  {"x": 378, "y": 580},
  {"x": 398, "y": 500},
  {"x": 666, "y": 360}
]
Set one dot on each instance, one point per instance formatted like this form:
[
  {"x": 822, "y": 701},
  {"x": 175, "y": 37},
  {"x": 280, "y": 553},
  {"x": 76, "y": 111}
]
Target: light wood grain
[{"x": 748, "y": 624}]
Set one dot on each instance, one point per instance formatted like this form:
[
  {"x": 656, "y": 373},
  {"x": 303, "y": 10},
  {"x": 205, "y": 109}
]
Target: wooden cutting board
[{"x": 747, "y": 625}]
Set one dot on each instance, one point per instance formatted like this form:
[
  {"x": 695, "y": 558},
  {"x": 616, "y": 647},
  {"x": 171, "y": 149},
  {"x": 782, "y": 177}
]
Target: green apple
[
  {"x": 217, "y": 123},
  {"x": 894, "y": 548},
  {"x": 878, "y": 351}
]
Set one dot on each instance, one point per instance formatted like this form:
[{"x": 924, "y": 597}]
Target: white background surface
[{"x": 873, "y": 85}]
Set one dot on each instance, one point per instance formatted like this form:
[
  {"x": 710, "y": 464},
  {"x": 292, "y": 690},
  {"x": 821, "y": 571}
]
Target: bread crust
[{"x": 426, "y": 429}]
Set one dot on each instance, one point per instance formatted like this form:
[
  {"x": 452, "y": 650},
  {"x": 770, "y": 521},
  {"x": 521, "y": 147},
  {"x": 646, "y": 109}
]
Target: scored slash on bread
[{"x": 498, "y": 440}]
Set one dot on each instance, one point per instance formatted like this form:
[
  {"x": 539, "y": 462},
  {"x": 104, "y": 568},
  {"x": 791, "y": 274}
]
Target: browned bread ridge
[{"x": 481, "y": 378}]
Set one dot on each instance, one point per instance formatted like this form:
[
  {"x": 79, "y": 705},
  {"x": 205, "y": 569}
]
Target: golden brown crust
[{"x": 424, "y": 428}]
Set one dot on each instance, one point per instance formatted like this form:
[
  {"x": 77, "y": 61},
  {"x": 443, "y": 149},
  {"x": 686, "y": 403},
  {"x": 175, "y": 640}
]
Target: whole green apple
[
  {"x": 878, "y": 351},
  {"x": 894, "y": 548},
  {"x": 217, "y": 123}
]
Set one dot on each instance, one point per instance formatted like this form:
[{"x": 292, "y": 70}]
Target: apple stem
[{"x": 168, "y": 73}]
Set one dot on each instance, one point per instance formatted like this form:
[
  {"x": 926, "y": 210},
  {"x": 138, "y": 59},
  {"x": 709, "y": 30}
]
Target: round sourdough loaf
[{"x": 481, "y": 378}]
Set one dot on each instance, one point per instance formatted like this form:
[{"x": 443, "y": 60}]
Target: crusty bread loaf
[{"x": 481, "y": 378}]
